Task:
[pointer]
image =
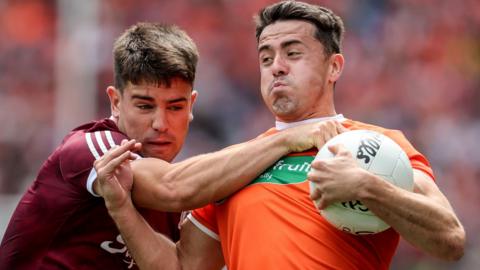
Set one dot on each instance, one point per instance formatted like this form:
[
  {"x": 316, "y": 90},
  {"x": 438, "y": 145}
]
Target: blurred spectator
[{"x": 26, "y": 66}]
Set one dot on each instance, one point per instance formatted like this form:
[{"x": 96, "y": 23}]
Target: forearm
[
  {"x": 428, "y": 224},
  {"x": 149, "y": 249},
  {"x": 202, "y": 179}
]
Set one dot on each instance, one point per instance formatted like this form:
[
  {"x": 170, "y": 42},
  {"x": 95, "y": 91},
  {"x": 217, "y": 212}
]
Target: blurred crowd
[{"x": 412, "y": 65}]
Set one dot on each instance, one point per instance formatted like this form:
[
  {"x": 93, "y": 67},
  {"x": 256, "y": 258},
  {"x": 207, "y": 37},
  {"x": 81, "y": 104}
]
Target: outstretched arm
[
  {"x": 205, "y": 178},
  {"x": 423, "y": 217}
]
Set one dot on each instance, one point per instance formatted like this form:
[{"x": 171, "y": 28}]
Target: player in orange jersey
[{"x": 272, "y": 223}]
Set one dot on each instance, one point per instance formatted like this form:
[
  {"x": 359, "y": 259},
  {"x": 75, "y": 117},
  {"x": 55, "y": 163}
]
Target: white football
[{"x": 377, "y": 154}]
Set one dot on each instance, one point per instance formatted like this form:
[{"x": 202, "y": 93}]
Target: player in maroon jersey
[{"x": 61, "y": 223}]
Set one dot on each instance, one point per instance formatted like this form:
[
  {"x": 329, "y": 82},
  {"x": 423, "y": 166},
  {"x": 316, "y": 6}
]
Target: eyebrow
[
  {"x": 149, "y": 98},
  {"x": 182, "y": 99},
  {"x": 283, "y": 45}
]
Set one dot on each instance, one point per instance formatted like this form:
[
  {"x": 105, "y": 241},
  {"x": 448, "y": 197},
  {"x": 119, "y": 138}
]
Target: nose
[
  {"x": 159, "y": 121},
  {"x": 279, "y": 66}
]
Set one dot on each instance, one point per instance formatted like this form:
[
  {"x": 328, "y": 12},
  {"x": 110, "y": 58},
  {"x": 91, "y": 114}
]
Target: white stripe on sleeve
[
  {"x": 202, "y": 228},
  {"x": 88, "y": 137},
  {"x": 110, "y": 140},
  {"x": 98, "y": 136}
]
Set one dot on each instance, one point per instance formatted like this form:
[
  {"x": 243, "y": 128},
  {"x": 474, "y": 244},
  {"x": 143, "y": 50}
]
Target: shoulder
[
  {"x": 355, "y": 125},
  {"x": 417, "y": 159},
  {"x": 87, "y": 143},
  {"x": 393, "y": 134}
]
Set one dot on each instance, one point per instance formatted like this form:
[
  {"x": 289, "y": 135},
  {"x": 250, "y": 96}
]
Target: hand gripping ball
[{"x": 379, "y": 155}]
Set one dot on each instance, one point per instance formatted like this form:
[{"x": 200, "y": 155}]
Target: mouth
[
  {"x": 278, "y": 85},
  {"x": 157, "y": 143},
  {"x": 278, "y": 88}
]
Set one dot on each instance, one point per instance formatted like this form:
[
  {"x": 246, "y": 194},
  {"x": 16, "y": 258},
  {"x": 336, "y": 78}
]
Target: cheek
[
  {"x": 264, "y": 94},
  {"x": 136, "y": 124},
  {"x": 310, "y": 79},
  {"x": 265, "y": 78},
  {"x": 133, "y": 129},
  {"x": 179, "y": 130},
  {"x": 267, "y": 99},
  {"x": 264, "y": 85},
  {"x": 179, "y": 122}
]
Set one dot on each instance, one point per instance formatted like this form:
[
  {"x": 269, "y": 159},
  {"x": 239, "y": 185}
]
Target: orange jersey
[{"x": 273, "y": 224}]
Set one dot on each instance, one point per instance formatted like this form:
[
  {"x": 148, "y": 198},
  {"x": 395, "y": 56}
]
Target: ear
[
  {"x": 193, "y": 99},
  {"x": 336, "y": 67},
  {"x": 115, "y": 98}
]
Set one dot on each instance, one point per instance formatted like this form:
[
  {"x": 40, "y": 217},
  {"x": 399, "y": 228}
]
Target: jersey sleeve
[
  {"x": 80, "y": 151},
  {"x": 205, "y": 219},
  {"x": 418, "y": 161}
]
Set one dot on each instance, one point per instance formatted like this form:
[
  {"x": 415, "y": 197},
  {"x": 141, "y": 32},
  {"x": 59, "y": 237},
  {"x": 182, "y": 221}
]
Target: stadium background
[{"x": 412, "y": 65}]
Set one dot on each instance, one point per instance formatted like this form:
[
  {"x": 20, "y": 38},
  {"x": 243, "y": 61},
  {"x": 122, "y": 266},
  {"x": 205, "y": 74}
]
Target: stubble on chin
[{"x": 283, "y": 106}]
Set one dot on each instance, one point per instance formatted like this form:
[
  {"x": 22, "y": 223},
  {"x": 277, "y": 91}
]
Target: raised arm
[{"x": 205, "y": 178}]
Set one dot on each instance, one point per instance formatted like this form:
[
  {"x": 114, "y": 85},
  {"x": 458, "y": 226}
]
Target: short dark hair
[
  {"x": 329, "y": 26},
  {"x": 154, "y": 53}
]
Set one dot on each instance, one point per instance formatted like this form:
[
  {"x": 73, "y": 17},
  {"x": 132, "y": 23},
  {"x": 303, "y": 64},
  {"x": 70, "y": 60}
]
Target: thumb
[
  {"x": 322, "y": 203},
  {"x": 339, "y": 150},
  {"x": 335, "y": 148}
]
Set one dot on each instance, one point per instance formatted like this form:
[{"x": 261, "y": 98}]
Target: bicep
[
  {"x": 197, "y": 250},
  {"x": 424, "y": 185}
]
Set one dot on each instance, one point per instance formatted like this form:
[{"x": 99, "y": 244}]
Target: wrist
[
  {"x": 118, "y": 210},
  {"x": 283, "y": 140},
  {"x": 370, "y": 184},
  {"x": 292, "y": 142}
]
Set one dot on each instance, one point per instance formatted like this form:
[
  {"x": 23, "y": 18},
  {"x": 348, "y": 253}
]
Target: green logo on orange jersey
[{"x": 287, "y": 170}]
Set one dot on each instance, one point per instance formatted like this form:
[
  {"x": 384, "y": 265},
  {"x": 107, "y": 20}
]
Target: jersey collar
[{"x": 283, "y": 125}]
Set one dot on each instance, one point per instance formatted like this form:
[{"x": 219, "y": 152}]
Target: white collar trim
[{"x": 283, "y": 125}]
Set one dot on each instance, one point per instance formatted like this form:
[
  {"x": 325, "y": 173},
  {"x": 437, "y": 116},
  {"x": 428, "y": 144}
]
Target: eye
[
  {"x": 293, "y": 53},
  {"x": 144, "y": 106},
  {"x": 175, "y": 108},
  {"x": 266, "y": 60}
]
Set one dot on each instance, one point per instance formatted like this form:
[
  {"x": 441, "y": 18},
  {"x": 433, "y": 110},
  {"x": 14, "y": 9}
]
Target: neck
[
  {"x": 322, "y": 112},
  {"x": 115, "y": 120},
  {"x": 279, "y": 125}
]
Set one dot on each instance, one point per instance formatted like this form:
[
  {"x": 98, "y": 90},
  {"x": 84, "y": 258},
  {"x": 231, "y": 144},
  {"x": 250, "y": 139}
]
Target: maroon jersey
[{"x": 60, "y": 223}]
